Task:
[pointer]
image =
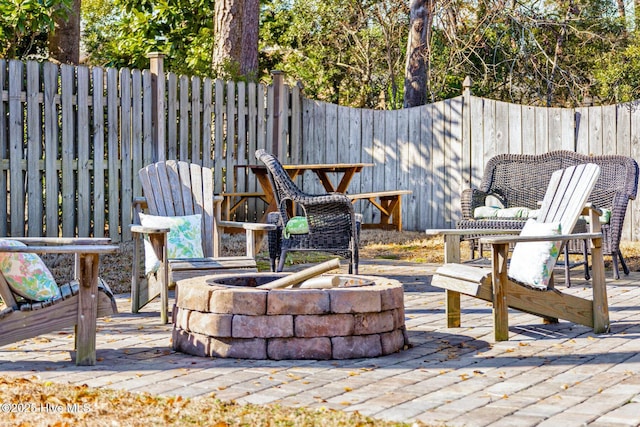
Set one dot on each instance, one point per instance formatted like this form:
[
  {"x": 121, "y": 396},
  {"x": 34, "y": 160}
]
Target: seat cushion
[
  {"x": 183, "y": 241},
  {"x": 532, "y": 262},
  {"x": 26, "y": 274}
]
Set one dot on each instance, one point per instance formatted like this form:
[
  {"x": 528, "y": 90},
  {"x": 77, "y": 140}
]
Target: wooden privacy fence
[{"x": 73, "y": 138}]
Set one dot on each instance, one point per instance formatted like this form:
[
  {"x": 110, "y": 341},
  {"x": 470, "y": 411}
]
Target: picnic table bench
[{"x": 389, "y": 203}]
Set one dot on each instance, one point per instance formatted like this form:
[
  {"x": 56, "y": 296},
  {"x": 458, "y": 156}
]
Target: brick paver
[{"x": 546, "y": 375}]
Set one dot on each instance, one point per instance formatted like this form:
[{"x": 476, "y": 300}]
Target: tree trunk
[
  {"x": 249, "y": 50},
  {"x": 235, "y": 50},
  {"x": 416, "y": 70},
  {"x": 64, "y": 41}
]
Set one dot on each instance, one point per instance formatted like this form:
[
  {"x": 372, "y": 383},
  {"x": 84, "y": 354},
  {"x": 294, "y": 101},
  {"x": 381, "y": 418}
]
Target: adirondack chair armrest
[
  {"x": 491, "y": 240},
  {"x": 255, "y": 226},
  {"x": 148, "y": 230}
]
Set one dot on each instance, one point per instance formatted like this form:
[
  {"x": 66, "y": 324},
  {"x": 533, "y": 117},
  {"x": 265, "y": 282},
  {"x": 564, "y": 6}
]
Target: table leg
[
  {"x": 87, "y": 310},
  {"x": 452, "y": 255}
]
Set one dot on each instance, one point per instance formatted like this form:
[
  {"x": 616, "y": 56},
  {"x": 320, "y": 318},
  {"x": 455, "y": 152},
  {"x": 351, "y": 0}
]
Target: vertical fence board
[
  {"x": 172, "y": 116},
  {"x": 196, "y": 105},
  {"x": 515, "y": 129},
  {"x": 528, "y": 130},
  {"x": 84, "y": 151},
  {"x": 568, "y": 129},
  {"x": 240, "y": 181},
  {"x": 207, "y": 123},
  {"x": 68, "y": 151},
  {"x": 230, "y": 140},
  {"x": 99, "y": 153},
  {"x": 623, "y": 148},
  {"x": 126, "y": 163},
  {"x": 426, "y": 219},
  {"x": 4, "y": 151},
  {"x": 635, "y": 153},
  {"x": 183, "y": 137},
  {"x": 542, "y": 130},
  {"x": 595, "y": 130},
  {"x": 609, "y": 139},
  {"x": 582, "y": 130},
  {"x": 137, "y": 131},
  {"x": 455, "y": 120},
  {"x": 34, "y": 151},
  {"x": 502, "y": 127},
  {"x": 440, "y": 166},
  {"x": 219, "y": 135},
  {"x": 51, "y": 182},
  {"x": 16, "y": 141},
  {"x": 555, "y": 128},
  {"x": 295, "y": 135},
  {"x": 207, "y": 128},
  {"x": 476, "y": 133},
  {"x": 112, "y": 153}
]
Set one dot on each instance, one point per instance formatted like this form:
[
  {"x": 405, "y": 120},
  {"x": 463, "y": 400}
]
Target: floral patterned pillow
[
  {"x": 532, "y": 262},
  {"x": 26, "y": 274},
  {"x": 183, "y": 241}
]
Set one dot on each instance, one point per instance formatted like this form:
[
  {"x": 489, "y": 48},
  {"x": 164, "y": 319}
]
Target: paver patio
[{"x": 545, "y": 375}]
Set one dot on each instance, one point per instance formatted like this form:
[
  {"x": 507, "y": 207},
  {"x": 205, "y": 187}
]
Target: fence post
[
  {"x": 156, "y": 66},
  {"x": 467, "y": 166},
  {"x": 278, "y": 146}
]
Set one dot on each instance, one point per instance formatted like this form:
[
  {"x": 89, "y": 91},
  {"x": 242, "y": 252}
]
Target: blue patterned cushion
[{"x": 183, "y": 241}]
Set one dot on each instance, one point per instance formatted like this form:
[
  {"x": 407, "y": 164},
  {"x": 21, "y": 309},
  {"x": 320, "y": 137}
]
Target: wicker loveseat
[{"x": 520, "y": 180}]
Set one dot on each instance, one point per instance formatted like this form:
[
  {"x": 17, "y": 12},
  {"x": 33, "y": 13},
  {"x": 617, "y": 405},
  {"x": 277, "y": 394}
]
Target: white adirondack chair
[{"x": 564, "y": 201}]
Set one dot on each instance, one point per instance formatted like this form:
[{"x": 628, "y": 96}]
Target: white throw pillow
[
  {"x": 26, "y": 274},
  {"x": 532, "y": 262},
  {"x": 183, "y": 241}
]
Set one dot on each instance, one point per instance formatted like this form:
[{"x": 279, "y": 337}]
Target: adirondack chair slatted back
[
  {"x": 175, "y": 188},
  {"x": 567, "y": 194}
]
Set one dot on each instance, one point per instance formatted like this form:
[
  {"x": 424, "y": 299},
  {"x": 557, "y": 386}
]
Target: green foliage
[
  {"x": 120, "y": 33},
  {"x": 24, "y": 25},
  {"x": 337, "y": 49}
]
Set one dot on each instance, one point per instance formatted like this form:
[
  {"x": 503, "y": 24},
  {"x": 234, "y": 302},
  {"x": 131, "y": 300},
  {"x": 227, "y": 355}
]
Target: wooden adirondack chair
[
  {"x": 564, "y": 201},
  {"x": 174, "y": 189},
  {"x": 79, "y": 304}
]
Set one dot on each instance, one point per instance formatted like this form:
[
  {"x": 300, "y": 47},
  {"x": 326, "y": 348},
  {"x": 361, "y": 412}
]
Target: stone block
[
  {"x": 181, "y": 318},
  {"x": 211, "y": 324},
  {"x": 392, "y": 341},
  {"x": 298, "y": 301},
  {"x": 327, "y": 325},
  {"x": 299, "y": 348},
  {"x": 262, "y": 326},
  {"x": 255, "y": 348},
  {"x": 193, "y": 295},
  {"x": 356, "y": 346},
  {"x": 190, "y": 343},
  {"x": 355, "y": 300},
  {"x": 373, "y": 323},
  {"x": 251, "y": 302},
  {"x": 398, "y": 318},
  {"x": 392, "y": 297}
]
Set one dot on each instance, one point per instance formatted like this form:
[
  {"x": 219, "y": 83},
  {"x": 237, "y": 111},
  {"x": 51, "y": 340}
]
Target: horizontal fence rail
[{"x": 73, "y": 138}]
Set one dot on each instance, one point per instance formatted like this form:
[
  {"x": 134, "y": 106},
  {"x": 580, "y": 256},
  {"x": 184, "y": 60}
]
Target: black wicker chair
[
  {"x": 333, "y": 224},
  {"x": 520, "y": 180}
]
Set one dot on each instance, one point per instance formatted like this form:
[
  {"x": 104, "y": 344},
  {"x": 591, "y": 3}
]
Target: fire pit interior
[{"x": 228, "y": 316}]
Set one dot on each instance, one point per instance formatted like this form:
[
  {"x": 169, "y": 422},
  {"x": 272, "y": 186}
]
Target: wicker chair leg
[
  {"x": 624, "y": 264},
  {"x": 283, "y": 258},
  {"x": 585, "y": 252},
  {"x": 567, "y": 266}
]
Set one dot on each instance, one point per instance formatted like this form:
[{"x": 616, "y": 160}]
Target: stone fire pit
[{"x": 226, "y": 316}]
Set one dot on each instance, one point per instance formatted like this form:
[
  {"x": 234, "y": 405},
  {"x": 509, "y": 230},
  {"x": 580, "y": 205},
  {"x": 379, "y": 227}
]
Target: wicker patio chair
[
  {"x": 332, "y": 222},
  {"x": 520, "y": 180}
]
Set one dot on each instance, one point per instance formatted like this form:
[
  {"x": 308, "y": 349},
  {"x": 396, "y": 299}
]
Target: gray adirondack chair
[{"x": 174, "y": 188}]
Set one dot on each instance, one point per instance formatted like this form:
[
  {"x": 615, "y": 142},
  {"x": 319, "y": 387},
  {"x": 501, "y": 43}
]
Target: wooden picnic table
[{"x": 344, "y": 171}]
